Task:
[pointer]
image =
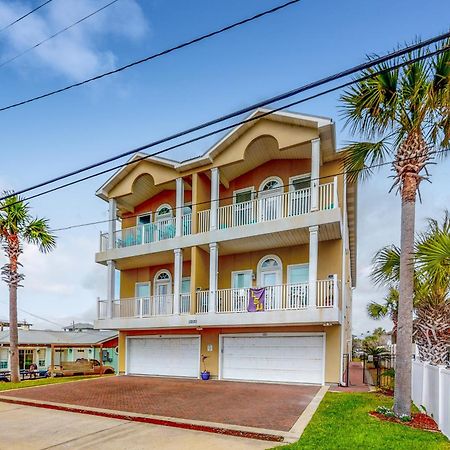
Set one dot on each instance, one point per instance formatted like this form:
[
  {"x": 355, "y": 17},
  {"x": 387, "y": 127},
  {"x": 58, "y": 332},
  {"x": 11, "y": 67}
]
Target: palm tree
[
  {"x": 17, "y": 226},
  {"x": 402, "y": 114},
  {"x": 431, "y": 271},
  {"x": 432, "y": 324}
]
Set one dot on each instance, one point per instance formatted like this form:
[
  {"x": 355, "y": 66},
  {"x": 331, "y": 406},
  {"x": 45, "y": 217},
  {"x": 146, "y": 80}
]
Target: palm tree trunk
[
  {"x": 402, "y": 394},
  {"x": 13, "y": 334}
]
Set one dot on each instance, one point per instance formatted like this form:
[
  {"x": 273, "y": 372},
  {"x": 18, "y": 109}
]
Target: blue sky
[{"x": 292, "y": 47}]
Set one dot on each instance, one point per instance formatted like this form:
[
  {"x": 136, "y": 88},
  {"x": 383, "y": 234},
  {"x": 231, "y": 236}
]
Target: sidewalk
[{"x": 355, "y": 381}]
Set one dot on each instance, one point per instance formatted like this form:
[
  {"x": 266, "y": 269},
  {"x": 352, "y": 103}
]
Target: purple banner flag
[{"x": 256, "y": 299}]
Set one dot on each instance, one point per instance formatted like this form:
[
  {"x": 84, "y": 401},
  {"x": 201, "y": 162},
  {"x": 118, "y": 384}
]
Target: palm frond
[
  {"x": 359, "y": 158},
  {"x": 386, "y": 266},
  {"x": 37, "y": 232},
  {"x": 14, "y": 213}
]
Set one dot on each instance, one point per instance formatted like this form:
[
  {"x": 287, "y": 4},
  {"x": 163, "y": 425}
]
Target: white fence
[{"x": 431, "y": 389}]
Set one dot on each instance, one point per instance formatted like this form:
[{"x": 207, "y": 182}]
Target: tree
[
  {"x": 431, "y": 271},
  {"x": 18, "y": 226},
  {"x": 432, "y": 324},
  {"x": 402, "y": 114}
]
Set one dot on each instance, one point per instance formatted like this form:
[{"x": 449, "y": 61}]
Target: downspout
[{"x": 343, "y": 277}]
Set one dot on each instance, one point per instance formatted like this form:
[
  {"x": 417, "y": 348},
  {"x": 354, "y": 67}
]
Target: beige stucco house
[{"x": 245, "y": 255}]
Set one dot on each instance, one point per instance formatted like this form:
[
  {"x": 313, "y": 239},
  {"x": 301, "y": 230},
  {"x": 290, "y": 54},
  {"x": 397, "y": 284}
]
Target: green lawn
[
  {"x": 41, "y": 381},
  {"x": 342, "y": 422}
]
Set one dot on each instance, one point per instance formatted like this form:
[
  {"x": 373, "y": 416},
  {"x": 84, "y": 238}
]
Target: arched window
[
  {"x": 270, "y": 271},
  {"x": 163, "y": 276},
  {"x": 271, "y": 184},
  {"x": 164, "y": 211}
]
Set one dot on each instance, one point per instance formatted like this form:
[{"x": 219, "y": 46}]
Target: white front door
[
  {"x": 273, "y": 357},
  {"x": 270, "y": 280},
  {"x": 270, "y": 202},
  {"x": 163, "y": 300},
  {"x": 164, "y": 355}
]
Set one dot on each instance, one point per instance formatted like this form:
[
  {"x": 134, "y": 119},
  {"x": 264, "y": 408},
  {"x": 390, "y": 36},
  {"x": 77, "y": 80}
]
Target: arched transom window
[{"x": 164, "y": 211}]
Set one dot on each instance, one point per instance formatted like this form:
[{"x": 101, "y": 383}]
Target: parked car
[{"x": 81, "y": 366}]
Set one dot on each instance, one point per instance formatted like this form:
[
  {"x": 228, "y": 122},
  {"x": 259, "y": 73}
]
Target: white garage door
[
  {"x": 166, "y": 355},
  {"x": 298, "y": 359}
]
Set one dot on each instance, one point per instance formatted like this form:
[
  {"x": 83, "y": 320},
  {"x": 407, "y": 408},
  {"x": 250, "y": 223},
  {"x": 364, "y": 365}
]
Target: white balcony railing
[
  {"x": 277, "y": 298},
  {"x": 146, "y": 234},
  {"x": 185, "y": 303},
  {"x": 268, "y": 208}
]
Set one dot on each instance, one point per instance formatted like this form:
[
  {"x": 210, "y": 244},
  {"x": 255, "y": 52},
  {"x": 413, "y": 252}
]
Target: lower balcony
[{"x": 282, "y": 304}]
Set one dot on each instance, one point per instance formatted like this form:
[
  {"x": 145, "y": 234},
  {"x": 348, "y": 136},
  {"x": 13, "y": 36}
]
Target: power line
[
  {"x": 277, "y": 98},
  {"x": 57, "y": 33},
  {"x": 229, "y": 197},
  {"x": 25, "y": 15},
  {"x": 211, "y": 133},
  {"x": 153, "y": 56}
]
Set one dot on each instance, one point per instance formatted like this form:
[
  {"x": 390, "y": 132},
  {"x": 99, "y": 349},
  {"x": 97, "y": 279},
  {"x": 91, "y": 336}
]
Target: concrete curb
[
  {"x": 304, "y": 419},
  {"x": 197, "y": 425}
]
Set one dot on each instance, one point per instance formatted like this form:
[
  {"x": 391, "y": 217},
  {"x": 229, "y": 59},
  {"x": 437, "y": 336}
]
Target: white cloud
[
  {"x": 60, "y": 286},
  {"x": 79, "y": 52}
]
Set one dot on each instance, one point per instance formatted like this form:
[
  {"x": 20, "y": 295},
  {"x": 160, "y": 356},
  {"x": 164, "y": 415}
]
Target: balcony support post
[
  {"x": 315, "y": 169},
  {"x": 313, "y": 260},
  {"x": 335, "y": 192},
  {"x": 213, "y": 272},
  {"x": 111, "y": 283},
  {"x": 214, "y": 198},
  {"x": 179, "y": 203},
  {"x": 177, "y": 279},
  {"x": 112, "y": 217}
]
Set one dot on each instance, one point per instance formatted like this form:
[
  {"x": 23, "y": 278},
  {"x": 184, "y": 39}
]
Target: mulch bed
[{"x": 419, "y": 420}]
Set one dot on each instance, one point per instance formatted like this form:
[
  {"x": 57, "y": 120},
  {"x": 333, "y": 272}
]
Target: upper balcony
[{"x": 286, "y": 213}]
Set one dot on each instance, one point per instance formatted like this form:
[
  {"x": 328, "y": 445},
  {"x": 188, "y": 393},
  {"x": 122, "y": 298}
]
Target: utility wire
[
  {"x": 57, "y": 33},
  {"x": 211, "y": 133},
  {"x": 355, "y": 69},
  {"x": 229, "y": 197},
  {"x": 153, "y": 56},
  {"x": 25, "y": 15}
]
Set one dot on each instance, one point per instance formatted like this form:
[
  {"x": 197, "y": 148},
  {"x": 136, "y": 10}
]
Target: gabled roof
[{"x": 289, "y": 117}]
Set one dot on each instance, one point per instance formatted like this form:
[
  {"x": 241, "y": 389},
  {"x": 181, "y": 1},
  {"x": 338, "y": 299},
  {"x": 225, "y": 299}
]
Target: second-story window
[
  {"x": 163, "y": 212},
  {"x": 300, "y": 182},
  {"x": 144, "y": 219}
]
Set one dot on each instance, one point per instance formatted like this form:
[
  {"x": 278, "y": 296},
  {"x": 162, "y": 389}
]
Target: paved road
[{"x": 26, "y": 427}]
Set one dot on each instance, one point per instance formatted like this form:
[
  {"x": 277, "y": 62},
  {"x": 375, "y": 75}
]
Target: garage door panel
[
  {"x": 273, "y": 358},
  {"x": 177, "y": 356}
]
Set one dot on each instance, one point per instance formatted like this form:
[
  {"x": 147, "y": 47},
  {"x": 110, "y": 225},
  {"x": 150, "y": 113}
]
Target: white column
[
  {"x": 111, "y": 284},
  {"x": 315, "y": 166},
  {"x": 112, "y": 217},
  {"x": 177, "y": 279},
  {"x": 214, "y": 197},
  {"x": 313, "y": 258},
  {"x": 213, "y": 272},
  {"x": 179, "y": 203}
]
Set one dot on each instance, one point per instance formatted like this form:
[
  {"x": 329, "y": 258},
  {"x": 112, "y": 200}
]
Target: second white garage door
[
  {"x": 272, "y": 357},
  {"x": 164, "y": 355}
]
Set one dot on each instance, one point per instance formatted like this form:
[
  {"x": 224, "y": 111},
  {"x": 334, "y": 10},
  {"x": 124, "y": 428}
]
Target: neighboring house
[
  {"x": 262, "y": 208},
  {"x": 35, "y": 347},
  {"x": 24, "y": 325},
  {"x": 79, "y": 326}
]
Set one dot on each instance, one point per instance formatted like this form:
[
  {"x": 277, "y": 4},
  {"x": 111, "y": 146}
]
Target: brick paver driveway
[{"x": 271, "y": 406}]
